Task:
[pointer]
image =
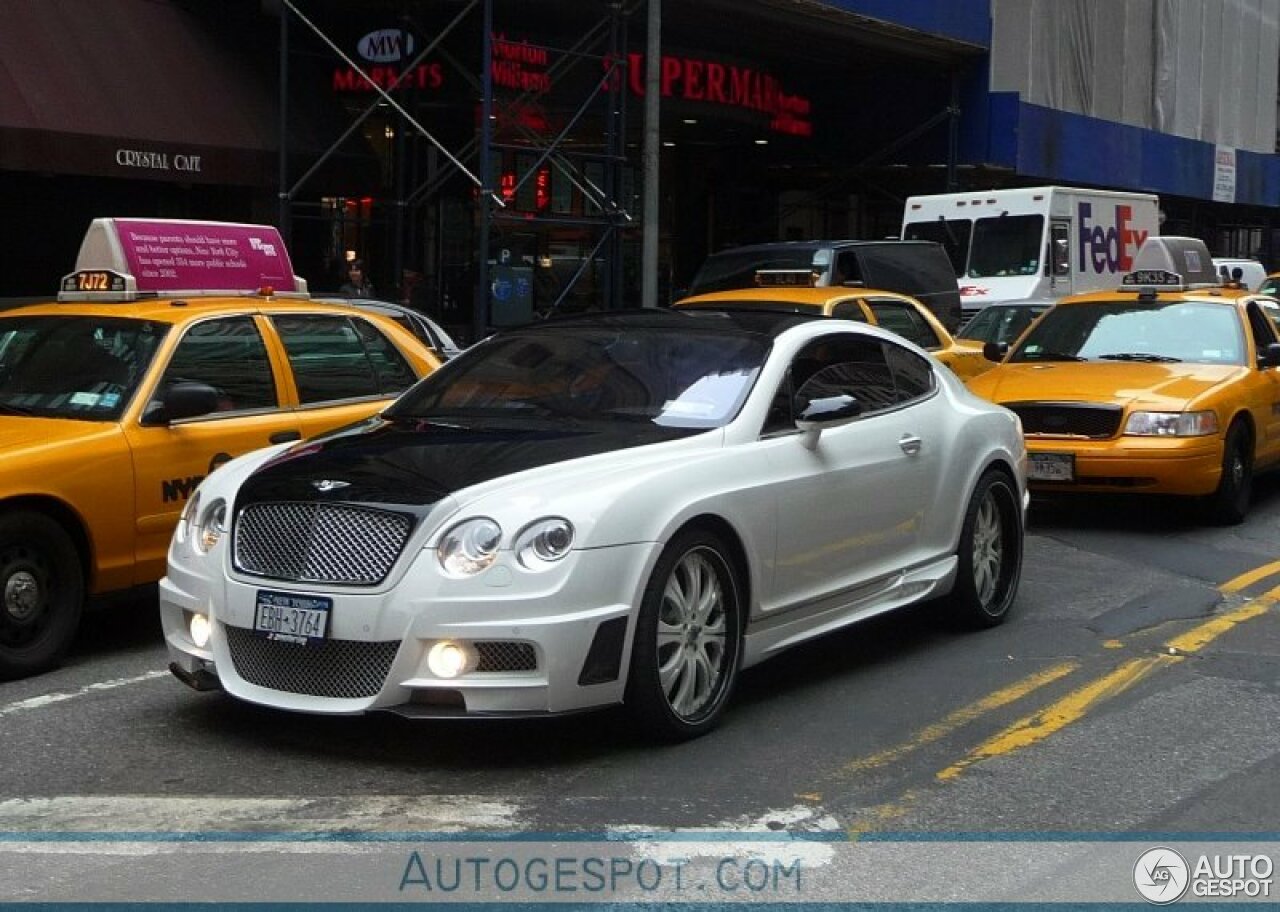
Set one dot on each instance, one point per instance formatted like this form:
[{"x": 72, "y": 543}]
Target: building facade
[{"x": 495, "y": 146}]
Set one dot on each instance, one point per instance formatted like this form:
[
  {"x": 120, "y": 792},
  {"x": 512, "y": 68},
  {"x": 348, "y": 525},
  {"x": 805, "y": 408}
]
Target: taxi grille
[
  {"x": 498, "y": 655},
  {"x": 319, "y": 543},
  {"x": 341, "y": 669},
  {"x": 1068, "y": 419}
]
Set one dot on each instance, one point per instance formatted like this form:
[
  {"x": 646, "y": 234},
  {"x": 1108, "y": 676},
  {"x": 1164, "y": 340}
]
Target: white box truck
[{"x": 1034, "y": 243}]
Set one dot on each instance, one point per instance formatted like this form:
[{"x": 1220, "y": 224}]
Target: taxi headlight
[
  {"x": 1172, "y": 424},
  {"x": 210, "y": 527},
  {"x": 188, "y": 517},
  {"x": 544, "y": 542},
  {"x": 469, "y": 547}
]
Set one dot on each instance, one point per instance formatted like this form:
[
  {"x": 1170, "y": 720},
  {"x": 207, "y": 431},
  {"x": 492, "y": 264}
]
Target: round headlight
[
  {"x": 543, "y": 543},
  {"x": 469, "y": 547},
  {"x": 211, "y": 526}
]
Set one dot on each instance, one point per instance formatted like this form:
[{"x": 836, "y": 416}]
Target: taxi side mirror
[
  {"x": 995, "y": 351},
  {"x": 1270, "y": 356},
  {"x": 188, "y": 400}
]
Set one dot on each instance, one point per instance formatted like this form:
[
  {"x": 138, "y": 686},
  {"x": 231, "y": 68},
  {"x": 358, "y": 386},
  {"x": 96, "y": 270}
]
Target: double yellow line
[{"x": 1045, "y": 722}]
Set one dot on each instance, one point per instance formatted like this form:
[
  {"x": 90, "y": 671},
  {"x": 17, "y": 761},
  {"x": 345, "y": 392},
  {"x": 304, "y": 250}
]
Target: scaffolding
[{"x": 502, "y": 128}]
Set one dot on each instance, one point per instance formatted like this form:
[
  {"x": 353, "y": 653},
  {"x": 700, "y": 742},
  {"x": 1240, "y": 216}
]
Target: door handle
[
  {"x": 910, "y": 444},
  {"x": 285, "y": 436}
]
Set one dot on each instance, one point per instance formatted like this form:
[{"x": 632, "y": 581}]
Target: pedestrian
[
  {"x": 412, "y": 292},
  {"x": 357, "y": 284}
]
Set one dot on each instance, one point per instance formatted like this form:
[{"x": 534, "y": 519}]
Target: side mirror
[
  {"x": 995, "y": 351},
  {"x": 189, "y": 399},
  {"x": 826, "y": 412},
  {"x": 1270, "y": 356}
]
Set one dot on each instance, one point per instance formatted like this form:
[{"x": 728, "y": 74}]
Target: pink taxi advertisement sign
[{"x": 187, "y": 256}]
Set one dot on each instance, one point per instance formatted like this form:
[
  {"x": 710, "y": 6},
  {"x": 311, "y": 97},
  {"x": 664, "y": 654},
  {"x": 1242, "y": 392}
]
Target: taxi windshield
[
  {"x": 83, "y": 367},
  {"x": 1150, "y": 331}
]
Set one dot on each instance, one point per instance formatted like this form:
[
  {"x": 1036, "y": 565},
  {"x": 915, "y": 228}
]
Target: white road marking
[{"x": 49, "y": 699}]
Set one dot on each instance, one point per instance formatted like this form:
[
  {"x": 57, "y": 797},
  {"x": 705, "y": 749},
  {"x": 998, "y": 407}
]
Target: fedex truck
[{"x": 1034, "y": 243}]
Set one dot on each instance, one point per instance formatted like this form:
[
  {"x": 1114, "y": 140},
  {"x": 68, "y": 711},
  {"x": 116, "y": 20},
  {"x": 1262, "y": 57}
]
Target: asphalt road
[{"x": 1136, "y": 688}]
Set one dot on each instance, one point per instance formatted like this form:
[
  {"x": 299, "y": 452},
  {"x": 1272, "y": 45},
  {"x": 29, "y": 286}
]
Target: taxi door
[
  {"x": 343, "y": 368},
  {"x": 1265, "y": 394},
  {"x": 171, "y": 458}
]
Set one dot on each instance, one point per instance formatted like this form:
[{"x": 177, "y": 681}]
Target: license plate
[
  {"x": 1051, "y": 466},
  {"x": 292, "y": 618}
]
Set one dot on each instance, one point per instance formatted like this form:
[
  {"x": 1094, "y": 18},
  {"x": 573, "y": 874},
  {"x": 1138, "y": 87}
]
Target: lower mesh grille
[
  {"x": 341, "y": 669},
  {"x": 497, "y": 655}
]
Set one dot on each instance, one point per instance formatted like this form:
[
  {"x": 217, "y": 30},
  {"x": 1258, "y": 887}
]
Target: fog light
[
  {"x": 448, "y": 660},
  {"x": 200, "y": 630}
]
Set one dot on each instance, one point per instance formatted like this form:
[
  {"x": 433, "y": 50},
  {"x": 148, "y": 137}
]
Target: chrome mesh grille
[
  {"x": 498, "y": 655},
  {"x": 319, "y": 543},
  {"x": 1068, "y": 419},
  {"x": 342, "y": 669}
]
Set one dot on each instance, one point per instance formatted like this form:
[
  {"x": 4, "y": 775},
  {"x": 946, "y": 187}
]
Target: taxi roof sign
[
  {"x": 1168, "y": 261},
  {"x": 124, "y": 259},
  {"x": 798, "y": 278}
]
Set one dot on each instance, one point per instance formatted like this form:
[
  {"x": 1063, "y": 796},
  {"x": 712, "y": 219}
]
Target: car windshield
[
  {"x": 1156, "y": 331},
  {"x": 952, "y": 234},
  {"x": 1000, "y": 324},
  {"x": 1006, "y": 246},
  {"x": 84, "y": 367},
  {"x": 695, "y": 379},
  {"x": 737, "y": 269}
]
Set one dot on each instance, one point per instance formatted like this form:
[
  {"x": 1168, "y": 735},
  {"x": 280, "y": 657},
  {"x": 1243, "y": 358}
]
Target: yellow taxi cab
[
  {"x": 1169, "y": 385},
  {"x": 117, "y": 399},
  {"x": 789, "y": 289}
]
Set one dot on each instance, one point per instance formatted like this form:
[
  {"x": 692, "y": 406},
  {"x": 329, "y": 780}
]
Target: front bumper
[
  {"x": 554, "y": 642},
  {"x": 1190, "y": 466}
]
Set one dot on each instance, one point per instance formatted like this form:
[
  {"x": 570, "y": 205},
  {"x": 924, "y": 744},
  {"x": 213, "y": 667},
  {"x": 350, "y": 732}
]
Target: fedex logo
[{"x": 1108, "y": 249}]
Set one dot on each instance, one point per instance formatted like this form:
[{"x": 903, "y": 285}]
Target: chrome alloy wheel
[
  {"x": 988, "y": 549},
  {"x": 691, "y": 635}
]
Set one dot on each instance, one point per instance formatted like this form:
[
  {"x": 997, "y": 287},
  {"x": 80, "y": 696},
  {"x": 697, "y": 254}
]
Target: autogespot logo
[{"x": 1161, "y": 876}]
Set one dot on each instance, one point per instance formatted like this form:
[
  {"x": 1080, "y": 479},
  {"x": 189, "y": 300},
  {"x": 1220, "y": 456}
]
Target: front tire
[
  {"x": 688, "y": 641},
  {"x": 989, "y": 565},
  {"x": 1229, "y": 504},
  {"x": 41, "y": 594}
]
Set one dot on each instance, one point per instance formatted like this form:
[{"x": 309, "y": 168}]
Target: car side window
[
  {"x": 848, "y": 365},
  {"x": 904, "y": 320},
  {"x": 913, "y": 376},
  {"x": 848, "y": 270},
  {"x": 394, "y": 373},
  {"x": 227, "y": 354},
  {"x": 328, "y": 358},
  {"x": 1262, "y": 328},
  {"x": 849, "y": 310}
]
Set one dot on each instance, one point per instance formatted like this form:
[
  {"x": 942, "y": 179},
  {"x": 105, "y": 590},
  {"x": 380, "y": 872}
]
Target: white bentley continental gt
[{"x": 627, "y": 507}]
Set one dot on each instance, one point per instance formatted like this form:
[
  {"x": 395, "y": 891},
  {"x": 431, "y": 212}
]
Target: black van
[{"x": 920, "y": 269}]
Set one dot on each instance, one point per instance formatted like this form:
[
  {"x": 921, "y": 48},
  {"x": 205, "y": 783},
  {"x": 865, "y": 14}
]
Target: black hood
[{"x": 416, "y": 463}]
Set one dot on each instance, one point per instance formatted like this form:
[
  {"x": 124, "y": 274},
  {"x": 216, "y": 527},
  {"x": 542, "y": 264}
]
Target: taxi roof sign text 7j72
[{"x": 124, "y": 259}]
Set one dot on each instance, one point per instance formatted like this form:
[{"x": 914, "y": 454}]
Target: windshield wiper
[
  {"x": 1151, "y": 357},
  {"x": 1050, "y": 356}
]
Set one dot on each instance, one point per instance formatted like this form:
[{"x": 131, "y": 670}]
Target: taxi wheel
[
  {"x": 1229, "y": 504},
  {"x": 990, "y": 555},
  {"x": 688, "y": 641},
  {"x": 41, "y": 594}
]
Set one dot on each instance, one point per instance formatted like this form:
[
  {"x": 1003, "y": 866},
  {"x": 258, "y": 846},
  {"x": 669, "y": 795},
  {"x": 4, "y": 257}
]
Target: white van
[{"x": 1034, "y": 242}]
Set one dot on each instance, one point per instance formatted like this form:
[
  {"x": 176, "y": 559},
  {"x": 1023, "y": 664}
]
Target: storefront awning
[{"x": 132, "y": 89}]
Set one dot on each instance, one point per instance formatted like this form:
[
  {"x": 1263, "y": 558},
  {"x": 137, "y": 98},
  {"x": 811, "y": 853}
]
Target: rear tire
[
  {"x": 688, "y": 640},
  {"x": 989, "y": 565},
  {"x": 41, "y": 594},
  {"x": 1229, "y": 504}
]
